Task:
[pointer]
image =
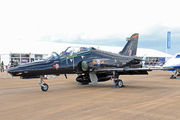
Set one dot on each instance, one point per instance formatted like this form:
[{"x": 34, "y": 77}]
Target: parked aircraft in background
[
  {"x": 174, "y": 63},
  {"x": 92, "y": 65}
]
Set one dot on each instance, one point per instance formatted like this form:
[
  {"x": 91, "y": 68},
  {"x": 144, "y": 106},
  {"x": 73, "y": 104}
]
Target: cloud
[
  {"x": 155, "y": 37},
  {"x": 91, "y": 21}
]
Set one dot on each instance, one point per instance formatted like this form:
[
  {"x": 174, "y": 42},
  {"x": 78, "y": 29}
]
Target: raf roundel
[
  {"x": 98, "y": 62},
  {"x": 57, "y": 65}
]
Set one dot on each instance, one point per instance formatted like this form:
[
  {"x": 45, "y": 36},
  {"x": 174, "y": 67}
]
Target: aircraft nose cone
[{"x": 13, "y": 70}]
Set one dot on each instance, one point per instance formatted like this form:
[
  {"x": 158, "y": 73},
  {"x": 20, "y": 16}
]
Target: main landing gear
[
  {"x": 118, "y": 83},
  {"x": 42, "y": 83},
  {"x": 174, "y": 74},
  {"x": 173, "y": 77}
]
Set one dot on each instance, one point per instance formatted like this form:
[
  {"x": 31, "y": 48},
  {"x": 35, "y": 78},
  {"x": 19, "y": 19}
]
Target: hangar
[{"x": 24, "y": 52}]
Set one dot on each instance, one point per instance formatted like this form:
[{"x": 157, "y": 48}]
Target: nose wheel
[
  {"x": 44, "y": 87},
  {"x": 42, "y": 83}
]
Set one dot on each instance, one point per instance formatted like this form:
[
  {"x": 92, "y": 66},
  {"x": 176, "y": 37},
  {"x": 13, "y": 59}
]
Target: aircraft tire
[
  {"x": 173, "y": 77},
  {"x": 120, "y": 83},
  {"x": 45, "y": 88}
]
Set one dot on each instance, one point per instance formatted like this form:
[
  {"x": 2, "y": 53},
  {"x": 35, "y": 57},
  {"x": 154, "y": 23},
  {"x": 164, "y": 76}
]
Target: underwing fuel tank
[
  {"x": 83, "y": 79},
  {"x": 101, "y": 77}
]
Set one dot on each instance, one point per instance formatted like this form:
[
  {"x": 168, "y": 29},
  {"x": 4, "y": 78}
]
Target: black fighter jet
[{"x": 90, "y": 64}]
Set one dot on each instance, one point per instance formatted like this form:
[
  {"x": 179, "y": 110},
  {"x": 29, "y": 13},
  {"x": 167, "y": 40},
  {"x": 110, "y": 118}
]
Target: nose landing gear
[{"x": 42, "y": 83}]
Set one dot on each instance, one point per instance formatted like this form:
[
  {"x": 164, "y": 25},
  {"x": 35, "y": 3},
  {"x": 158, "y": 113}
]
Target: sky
[{"x": 95, "y": 22}]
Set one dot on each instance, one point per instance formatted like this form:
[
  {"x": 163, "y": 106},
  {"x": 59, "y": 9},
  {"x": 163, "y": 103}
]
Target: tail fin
[{"x": 131, "y": 46}]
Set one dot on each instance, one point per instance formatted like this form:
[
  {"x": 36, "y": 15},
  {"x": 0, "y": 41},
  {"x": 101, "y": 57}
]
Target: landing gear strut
[
  {"x": 173, "y": 76},
  {"x": 42, "y": 83},
  {"x": 118, "y": 83}
]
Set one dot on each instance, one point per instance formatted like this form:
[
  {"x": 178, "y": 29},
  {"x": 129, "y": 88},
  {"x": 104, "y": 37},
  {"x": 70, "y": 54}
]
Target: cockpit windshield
[
  {"x": 178, "y": 56},
  {"x": 52, "y": 56},
  {"x": 72, "y": 50}
]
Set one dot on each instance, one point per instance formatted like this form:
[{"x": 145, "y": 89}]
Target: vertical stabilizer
[{"x": 131, "y": 46}]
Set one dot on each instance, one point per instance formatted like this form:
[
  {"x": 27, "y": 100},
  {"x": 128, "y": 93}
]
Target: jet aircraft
[
  {"x": 174, "y": 63},
  {"x": 90, "y": 64}
]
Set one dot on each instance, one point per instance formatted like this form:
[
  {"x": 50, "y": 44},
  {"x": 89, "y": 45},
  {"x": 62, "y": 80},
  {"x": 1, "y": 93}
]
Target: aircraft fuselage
[{"x": 72, "y": 65}]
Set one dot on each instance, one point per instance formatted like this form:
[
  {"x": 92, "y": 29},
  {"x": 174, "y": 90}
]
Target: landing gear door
[{"x": 93, "y": 78}]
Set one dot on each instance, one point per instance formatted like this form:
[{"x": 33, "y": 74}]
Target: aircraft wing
[{"x": 128, "y": 69}]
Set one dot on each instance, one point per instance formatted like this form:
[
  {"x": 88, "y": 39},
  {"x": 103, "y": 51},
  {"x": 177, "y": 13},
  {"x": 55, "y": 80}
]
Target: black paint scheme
[{"x": 83, "y": 61}]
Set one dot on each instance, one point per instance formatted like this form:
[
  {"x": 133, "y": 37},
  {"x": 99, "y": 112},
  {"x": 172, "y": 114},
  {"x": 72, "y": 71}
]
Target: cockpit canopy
[
  {"x": 178, "y": 56},
  {"x": 52, "y": 56},
  {"x": 69, "y": 51},
  {"x": 72, "y": 50}
]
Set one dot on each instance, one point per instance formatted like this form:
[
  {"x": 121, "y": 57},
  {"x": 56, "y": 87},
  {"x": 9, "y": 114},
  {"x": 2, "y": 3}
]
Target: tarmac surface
[{"x": 145, "y": 97}]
